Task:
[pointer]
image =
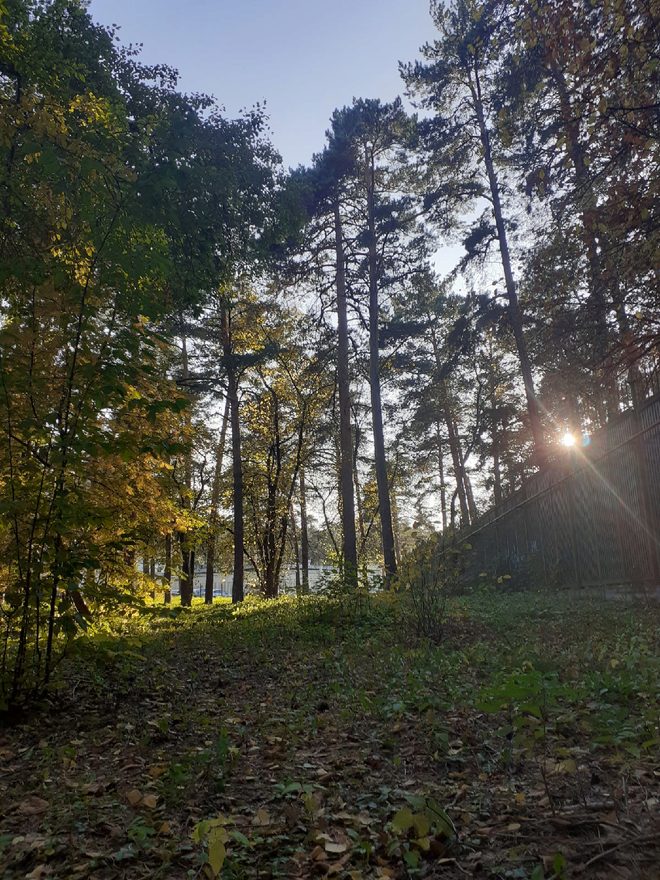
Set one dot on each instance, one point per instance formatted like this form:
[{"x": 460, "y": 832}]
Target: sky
[{"x": 303, "y": 58}]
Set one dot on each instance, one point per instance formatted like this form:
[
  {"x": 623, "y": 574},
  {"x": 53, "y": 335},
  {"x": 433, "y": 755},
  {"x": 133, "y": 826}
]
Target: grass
[{"x": 309, "y": 737}]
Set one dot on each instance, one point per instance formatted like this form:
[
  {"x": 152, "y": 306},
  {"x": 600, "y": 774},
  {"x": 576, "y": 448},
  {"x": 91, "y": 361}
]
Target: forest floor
[{"x": 326, "y": 740}]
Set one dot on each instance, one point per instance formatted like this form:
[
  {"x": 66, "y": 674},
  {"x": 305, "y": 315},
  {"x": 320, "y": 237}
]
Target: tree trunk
[
  {"x": 359, "y": 506},
  {"x": 304, "y": 533},
  {"x": 186, "y": 582},
  {"x": 167, "y": 574},
  {"x": 497, "y": 471},
  {"x": 597, "y": 300},
  {"x": 215, "y": 499},
  {"x": 515, "y": 316},
  {"x": 382, "y": 482},
  {"x": 349, "y": 544},
  {"x": 456, "y": 457},
  {"x": 467, "y": 483},
  {"x": 238, "y": 583},
  {"x": 296, "y": 548},
  {"x": 441, "y": 476},
  {"x": 452, "y": 437},
  {"x": 187, "y": 572},
  {"x": 396, "y": 530}
]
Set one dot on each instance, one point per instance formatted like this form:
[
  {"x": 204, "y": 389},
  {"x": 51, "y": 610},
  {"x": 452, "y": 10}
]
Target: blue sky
[{"x": 303, "y": 57}]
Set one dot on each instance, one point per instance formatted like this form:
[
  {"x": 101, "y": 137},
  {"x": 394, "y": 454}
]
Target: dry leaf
[
  {"x": 335, "y": 848},
  {"x": 33, "y": 805},
  {"x": 134, "y": 797},
  {"x": 261, "y": 817},
  {"x": 150, "y": 801},
  {"x": 38, "y": 873},
  {"x": 336, "y": 867}
]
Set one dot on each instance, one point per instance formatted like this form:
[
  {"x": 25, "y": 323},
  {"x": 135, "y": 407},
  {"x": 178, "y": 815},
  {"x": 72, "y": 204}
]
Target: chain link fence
[{"x": 591, "y": 520}]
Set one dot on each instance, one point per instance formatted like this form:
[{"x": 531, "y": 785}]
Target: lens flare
[{"x": 568, "y": 440}]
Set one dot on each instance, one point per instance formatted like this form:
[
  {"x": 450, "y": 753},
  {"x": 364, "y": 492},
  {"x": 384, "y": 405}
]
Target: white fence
[{"x": 222, "y": 581}]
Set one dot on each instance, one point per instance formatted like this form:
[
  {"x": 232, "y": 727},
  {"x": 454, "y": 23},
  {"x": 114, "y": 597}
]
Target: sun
[{"x": 568, "y": 440}]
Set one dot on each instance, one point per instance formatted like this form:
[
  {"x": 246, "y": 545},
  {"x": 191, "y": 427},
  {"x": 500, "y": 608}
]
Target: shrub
[{"x": 427, "y": 576}]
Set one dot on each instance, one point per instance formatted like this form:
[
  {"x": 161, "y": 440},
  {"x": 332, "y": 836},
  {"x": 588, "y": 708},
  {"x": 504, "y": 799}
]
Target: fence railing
[{"x": 592, "y": 519}]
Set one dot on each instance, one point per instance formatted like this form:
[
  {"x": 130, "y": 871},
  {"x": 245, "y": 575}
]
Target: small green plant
[
  {"x": 420, "y": 829},
  {"x": 140, "y": 834},
  {"x": 558, "y": 870},
  {"x": 213, "y": 836}
]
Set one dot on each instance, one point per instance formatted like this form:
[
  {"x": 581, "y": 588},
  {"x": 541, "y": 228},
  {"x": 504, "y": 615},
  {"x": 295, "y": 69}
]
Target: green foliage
[
  {"x": 427, "y": 577},
  {"x": 99, "y": 246},
  {"x": 212, "y": 834},
  {"x": 421, "y": 830}
]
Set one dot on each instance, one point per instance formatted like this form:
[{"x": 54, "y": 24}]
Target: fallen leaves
[
  {"x": 134, "y": 797},
  {"x": 32, "y": 805},
  {"x": 150, "y": 801},
  {"x": 347, "y": 798},
  {"x": 38, "y": 873}
]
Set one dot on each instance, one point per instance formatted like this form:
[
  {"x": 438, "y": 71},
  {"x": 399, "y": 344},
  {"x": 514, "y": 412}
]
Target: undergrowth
[{"x": 281, "y": 735}]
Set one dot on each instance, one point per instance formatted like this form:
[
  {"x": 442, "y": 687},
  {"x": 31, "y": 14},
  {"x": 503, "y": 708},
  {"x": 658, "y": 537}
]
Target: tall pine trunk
[
  {"x": 515, "y": 315},
  {"x": 215, "y": 500},
  {"x": 238, "y": 583},
  {"x": 597, "y": 300},
  {"x": 187, "y": 569},
  {"x": 453, "y": 439},
  {"x": 382, "y": 481},
  {"x": 349, "y": 542}
]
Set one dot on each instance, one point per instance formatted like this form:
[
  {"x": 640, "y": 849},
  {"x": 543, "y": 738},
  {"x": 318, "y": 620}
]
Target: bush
[{"x": 426, "y": 578}]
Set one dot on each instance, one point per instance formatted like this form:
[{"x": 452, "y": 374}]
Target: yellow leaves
[
  {"x": 214, "y": 834},
  {"x": 78, "y": 259},
  {"x": 131, "y": 393},
  {"x": 91, "y": 109}
]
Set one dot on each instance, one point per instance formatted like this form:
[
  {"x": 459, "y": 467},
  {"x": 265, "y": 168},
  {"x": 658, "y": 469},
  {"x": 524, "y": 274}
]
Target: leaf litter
[{"x": 332, "y": 744}]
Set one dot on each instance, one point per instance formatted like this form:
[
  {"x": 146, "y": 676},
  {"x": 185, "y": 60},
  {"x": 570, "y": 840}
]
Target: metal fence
[{"x": 592, "y": 519}]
